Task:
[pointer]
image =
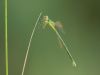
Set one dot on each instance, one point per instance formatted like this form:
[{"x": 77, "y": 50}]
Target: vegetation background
[{"x": 81, "y": 21}]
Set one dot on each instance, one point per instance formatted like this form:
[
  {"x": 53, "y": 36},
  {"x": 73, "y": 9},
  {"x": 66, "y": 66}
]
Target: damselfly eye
[{"x": 45, "y": 18}]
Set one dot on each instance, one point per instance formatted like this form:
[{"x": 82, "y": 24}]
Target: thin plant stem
[
  {"x": 6, "y": 39},
  {"x": 28, "y": 48}
]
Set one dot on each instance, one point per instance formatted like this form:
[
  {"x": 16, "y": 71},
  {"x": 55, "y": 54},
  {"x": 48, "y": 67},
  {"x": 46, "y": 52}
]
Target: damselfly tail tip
[{"x": 74, "y": 63}]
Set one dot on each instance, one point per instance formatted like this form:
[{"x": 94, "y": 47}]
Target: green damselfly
[{"x": 57, "y": 25}]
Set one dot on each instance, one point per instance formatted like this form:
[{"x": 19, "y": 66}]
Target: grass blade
[
  {"x": 28, "y": 48},
  {"x": 6, "y": 38}
]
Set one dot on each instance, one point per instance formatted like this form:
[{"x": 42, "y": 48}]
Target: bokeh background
[{"x": 81, "y": 21}]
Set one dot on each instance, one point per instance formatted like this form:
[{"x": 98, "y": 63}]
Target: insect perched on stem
[
  {"x": 57, "y": 26},
  {"x": 54, "y": 26}
]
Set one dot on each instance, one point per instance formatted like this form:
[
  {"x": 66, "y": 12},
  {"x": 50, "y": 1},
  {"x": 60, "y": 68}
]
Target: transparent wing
[
  {"x": 60, "y": 42},
  {"x": 59, "y": 27}
]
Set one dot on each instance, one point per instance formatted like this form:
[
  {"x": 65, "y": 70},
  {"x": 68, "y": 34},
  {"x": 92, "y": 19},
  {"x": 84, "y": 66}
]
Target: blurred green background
[{"x": 81, "y": 21}]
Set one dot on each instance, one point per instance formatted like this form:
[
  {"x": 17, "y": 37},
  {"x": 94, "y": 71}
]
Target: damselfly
[{"x": 57, "y": 25}]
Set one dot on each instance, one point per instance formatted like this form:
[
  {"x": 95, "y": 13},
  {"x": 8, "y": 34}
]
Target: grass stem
[
  {"x": 6, "y": 39},
  {"x": 28, "y": 48}
]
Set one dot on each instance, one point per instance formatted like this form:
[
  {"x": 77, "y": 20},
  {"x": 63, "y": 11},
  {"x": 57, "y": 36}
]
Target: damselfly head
[
  {"x": 45, "y": 18},
  {"x": 45, "y": 21}
]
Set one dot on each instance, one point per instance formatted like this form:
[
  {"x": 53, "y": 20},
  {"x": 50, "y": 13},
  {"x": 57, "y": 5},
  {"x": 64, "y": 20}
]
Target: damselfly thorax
[
  {"x": 47, "y": 21},
  {"x": 57, "y": 25}
]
